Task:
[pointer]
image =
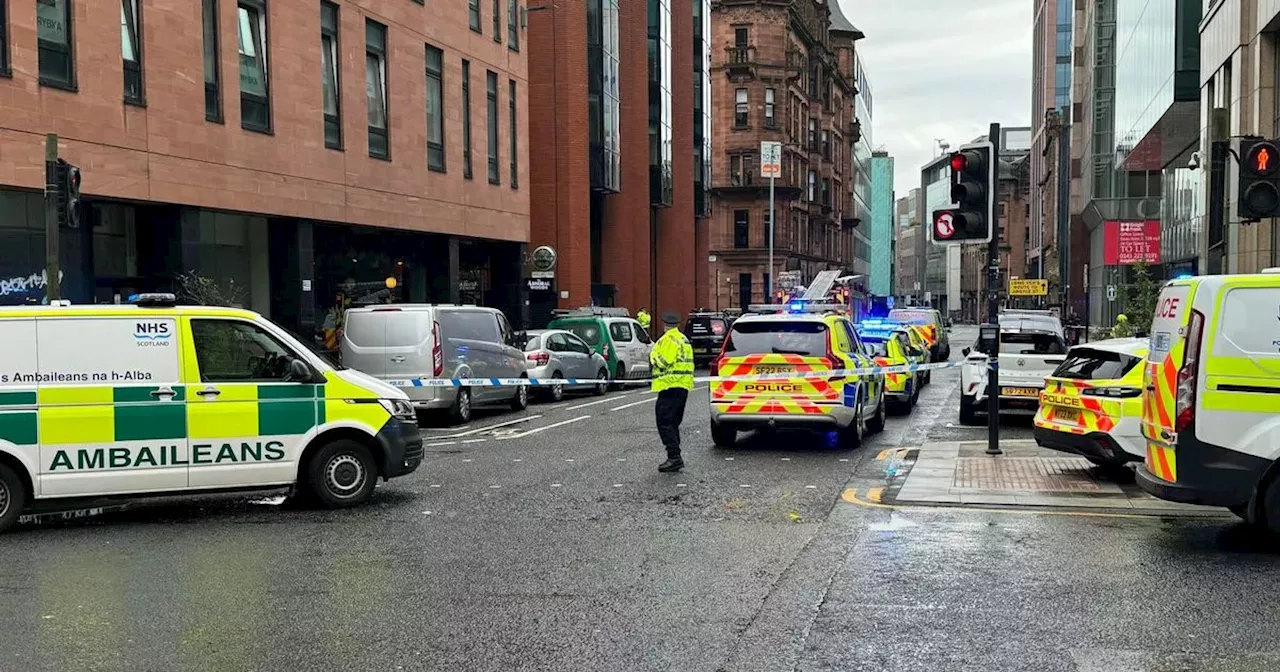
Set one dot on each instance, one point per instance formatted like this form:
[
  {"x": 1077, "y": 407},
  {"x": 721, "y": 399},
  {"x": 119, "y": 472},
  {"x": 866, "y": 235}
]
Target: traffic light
[
  {"x": 1259, "y": 189},
  {"x": 69, "y": 193},
  {"x": 973, "y": 190}
]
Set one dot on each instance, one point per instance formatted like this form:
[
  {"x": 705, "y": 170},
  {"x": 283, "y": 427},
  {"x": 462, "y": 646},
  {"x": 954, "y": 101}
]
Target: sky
[{"x": 942, "y": 69}]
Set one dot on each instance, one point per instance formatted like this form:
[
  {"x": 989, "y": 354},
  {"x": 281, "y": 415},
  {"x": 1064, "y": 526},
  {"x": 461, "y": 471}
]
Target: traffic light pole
[
  {"x": 51, "y": 189},
  {"x": 768, "y": 285},
  {"x": 993, "y": 301}
]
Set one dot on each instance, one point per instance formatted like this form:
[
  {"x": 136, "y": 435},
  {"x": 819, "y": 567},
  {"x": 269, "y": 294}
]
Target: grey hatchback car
[{"x": 412, "y": 341}]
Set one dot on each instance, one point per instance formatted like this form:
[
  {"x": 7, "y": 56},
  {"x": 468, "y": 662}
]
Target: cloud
[{"x": 942, "y": 69}]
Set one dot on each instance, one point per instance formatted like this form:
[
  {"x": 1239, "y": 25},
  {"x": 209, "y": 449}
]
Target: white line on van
[
  {"x": 652, "y": 398},
  {"x": 599, "y": 401},
  {"x": 539, "y": 429}
]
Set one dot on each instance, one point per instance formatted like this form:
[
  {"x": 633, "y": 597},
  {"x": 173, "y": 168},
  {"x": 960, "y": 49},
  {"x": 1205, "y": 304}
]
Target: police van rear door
[{"x": 777, "y": 347}]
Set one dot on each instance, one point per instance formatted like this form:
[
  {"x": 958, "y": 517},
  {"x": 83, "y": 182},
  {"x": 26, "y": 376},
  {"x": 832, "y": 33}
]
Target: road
[{"x": 548, "y": 541}]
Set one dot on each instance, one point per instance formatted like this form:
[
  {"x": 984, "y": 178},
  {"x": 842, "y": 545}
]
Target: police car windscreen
[
  {"x": 1091, "y": 364},
  {"x": 911, "y": 316},
  {"x": 705, "y": 326},
  {"x": 879, "y": 347},
  {"x": 587, "y": 331},
  {"x": 1031, "y": 344},
  {"x": 808, "y": 339}
]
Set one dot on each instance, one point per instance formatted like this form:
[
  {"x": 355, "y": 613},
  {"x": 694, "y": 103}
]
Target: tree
[
  {"x": 199, "y": 290},
  {"x": 1143, "y": 292}
]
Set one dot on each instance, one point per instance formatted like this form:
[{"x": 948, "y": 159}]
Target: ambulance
[
  {"x": 1211, "y": 395},
  {"x": 112, "y": 403}
]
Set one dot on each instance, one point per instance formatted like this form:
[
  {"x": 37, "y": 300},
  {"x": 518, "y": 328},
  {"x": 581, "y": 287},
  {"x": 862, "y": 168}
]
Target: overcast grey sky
[{"x": 924, "y": 86}]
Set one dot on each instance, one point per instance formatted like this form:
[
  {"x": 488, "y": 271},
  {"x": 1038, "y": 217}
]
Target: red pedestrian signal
[{"x": 1258, "y": 195}]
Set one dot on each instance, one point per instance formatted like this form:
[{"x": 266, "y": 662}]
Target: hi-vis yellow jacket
[{"x": 671, "y": 362}]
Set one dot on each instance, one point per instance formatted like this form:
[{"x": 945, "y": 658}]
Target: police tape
[{"x": 775, "y": 377}]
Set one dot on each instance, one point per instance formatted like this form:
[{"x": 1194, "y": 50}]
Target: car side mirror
[
  {"x": 298, "y": 372},
  {"x": 966, "y": 351}
]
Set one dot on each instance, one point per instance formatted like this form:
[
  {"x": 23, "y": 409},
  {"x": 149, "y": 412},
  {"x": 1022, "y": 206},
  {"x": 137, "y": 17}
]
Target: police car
[
  {"x": 1092, "y": 403},
  {"x": 108, "y": 403},
  {"x": 889, "y": 345},
  {"x": 795, "y": 338}
]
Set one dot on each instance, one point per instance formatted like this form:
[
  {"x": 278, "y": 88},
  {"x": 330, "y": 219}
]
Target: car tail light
[
  {"x": 1185, "y": 396},
  {"x": 437, "y": 351},
  {"x": 604, "y": 350},
  {"x": 1113, "y": 392},
  {"x": 832, "y": 360},
  {"x": 540, "y": 358},
  {"x": 715, "y": 363}
]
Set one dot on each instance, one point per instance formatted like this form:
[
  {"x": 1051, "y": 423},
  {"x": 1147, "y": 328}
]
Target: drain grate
[{"x": 1042, "y": 474}]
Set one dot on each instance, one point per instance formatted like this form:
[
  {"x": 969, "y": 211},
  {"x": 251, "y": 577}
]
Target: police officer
[
  {"x": 671, "y": 362},
  {"x": 643, "y": 318},
  {"x": 1122, "y": 329}
]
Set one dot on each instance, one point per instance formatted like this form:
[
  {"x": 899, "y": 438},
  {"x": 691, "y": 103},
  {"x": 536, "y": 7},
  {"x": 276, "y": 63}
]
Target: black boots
[{"x": 672, "y": 464}]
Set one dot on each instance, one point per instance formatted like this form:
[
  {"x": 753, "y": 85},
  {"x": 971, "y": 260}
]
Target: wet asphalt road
[{"x": 553, "y": 544}]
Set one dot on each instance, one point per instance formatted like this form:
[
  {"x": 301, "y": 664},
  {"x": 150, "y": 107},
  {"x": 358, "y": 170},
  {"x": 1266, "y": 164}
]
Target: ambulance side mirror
[{"x": 298, "y": 372}]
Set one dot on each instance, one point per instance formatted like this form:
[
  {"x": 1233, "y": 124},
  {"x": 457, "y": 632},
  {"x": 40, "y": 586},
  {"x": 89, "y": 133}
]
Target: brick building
[
  {"x": 614, "y": 190},
  {"x": 299, "y": 150},
  {"x": 787, "y": 72}
]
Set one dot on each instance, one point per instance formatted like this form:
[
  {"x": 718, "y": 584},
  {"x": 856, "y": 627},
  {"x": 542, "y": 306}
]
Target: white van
[{"x": 413, "y": 341}]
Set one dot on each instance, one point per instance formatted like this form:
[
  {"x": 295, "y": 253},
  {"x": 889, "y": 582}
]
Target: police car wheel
[
  {"x": 723, "y": 436},
  {"x": 1268, "y": 511},
  {"x": 851, "y": 436},
  {"x": 601, "y": 388},
  {"x": 13, "y": 497},
  {"x": 876, "y": 424},
  {"x": 521, "y": 400},
  {"x": 342, "y": 473},
  {"x": 968, "y": 412}
]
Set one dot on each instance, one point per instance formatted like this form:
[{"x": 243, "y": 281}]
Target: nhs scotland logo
[{"x": 153, "y": 334}]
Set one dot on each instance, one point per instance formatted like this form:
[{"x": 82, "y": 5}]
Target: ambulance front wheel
[
  {"x": 341, "y": 474},
  {"x": 13, "y": 497}
]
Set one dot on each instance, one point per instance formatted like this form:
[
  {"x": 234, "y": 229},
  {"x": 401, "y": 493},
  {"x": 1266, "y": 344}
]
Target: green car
[{"x": 612, "y": 332}]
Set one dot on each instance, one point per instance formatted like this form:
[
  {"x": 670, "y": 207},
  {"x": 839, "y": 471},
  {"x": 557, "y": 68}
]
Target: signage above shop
[
  {"x": 544, "y": 259},
  {"x": 539, "y": 285}
]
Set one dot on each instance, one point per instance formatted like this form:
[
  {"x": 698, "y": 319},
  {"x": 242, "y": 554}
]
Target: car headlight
[{"x": 399, "y": 408}]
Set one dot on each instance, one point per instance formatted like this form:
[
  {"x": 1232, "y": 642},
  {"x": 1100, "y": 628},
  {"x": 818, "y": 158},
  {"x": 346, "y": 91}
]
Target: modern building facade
[
  {"x": 1050, "y": 169},
  {"x": 617, "y": 202},
  {"x": 883, "y": 219},
  {"x": 907, "y": 233},
  {"x": 784, "y": 72},
  {"x": 938, "y": 266},
  {"x": 302, "y": 153}
]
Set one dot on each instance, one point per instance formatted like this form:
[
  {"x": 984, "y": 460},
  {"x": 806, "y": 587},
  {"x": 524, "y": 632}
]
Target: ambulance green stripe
[
  {"x": 287, "y": 391},
  {"x": 124, "y": 395},
  {"x": 147, "y": 422},
  {"x": 279, "y": 418},
  {"x": 17, "y": 398},
  {"x": 20, "y": 428}
]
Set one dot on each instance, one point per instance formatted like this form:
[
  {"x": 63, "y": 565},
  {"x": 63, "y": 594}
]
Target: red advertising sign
[{"x": 1131, "y": 242}]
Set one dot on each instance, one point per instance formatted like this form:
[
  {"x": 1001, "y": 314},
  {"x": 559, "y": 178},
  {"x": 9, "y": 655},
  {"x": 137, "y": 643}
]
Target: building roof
[{"x": 841, "y": 24}]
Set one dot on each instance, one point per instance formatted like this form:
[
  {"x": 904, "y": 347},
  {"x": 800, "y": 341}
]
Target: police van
[
  {"x": 104, "y": 403},
  {"x": 1211, "y": 397}
]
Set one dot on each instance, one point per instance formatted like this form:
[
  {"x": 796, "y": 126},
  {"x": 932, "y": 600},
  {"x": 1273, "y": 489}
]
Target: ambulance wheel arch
[
  {"x": 341, "y": 467},
  {"x": 17, "y": 489},
  {"x": 350, "y": 434}
]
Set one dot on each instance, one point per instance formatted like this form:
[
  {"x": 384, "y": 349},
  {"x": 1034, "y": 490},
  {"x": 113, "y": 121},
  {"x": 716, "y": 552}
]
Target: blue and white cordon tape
[{"x": 779, "y": 377}]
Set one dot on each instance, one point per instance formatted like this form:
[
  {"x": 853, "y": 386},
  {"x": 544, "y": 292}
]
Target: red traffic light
[
  {"x": 958, "y": 163},
  {"x": 1262, "y": 158}
]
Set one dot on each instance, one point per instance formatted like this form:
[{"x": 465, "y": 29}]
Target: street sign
[
  {"x": 771, "y": 159},
  {"x": 944, "y": 224},
  {"x": 1111, "y": 292},
  {"x": 1028, "y": 287}
]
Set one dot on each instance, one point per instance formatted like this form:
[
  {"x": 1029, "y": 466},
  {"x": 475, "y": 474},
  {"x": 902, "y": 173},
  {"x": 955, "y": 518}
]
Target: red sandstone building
[
  {"x": 619, "y": 138},
  {"x": 300, "y": 148}
]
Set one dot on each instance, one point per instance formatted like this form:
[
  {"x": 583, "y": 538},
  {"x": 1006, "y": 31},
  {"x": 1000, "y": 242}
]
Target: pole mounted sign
[
  {"x": 771, "y": 159},
  {"x": 1028, "y": 287},
  {"x": 944, "y": 225},
  {"x": 544, "y": 263},
  {"x": 973, "y": 190}
]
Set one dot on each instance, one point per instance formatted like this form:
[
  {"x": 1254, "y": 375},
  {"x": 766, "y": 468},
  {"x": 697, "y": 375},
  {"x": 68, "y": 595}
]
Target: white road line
[
  {"x": 495, "y": 426},
  {"x": 599, "y": 401},
  {"x": 441, "y": 443},
  {"x": 617, "y": 485},
  {"x": 810, "y": 487},
  {"x": 786, "y": 459},
  {"x": 744, "y": 485},
  {"x": 651, "y": 399},
  {"x": 475, "y": 440},
  {"x": 466, "y": 460},
  {"x": 541, "y": 429},
  {"x": 517, "y": 460},
  {"x": 495, "y": 487},
  {"x": 622, "y": 459},
  {"x": 556, "y": 485},
  {"x": 682, "y": 485}
]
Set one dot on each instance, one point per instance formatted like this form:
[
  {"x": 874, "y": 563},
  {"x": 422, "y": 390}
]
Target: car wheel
[
  {"x": 521, "y": 400},
  {"x": 876, "y": 424},
  {"x": 723, "y": 436},
  {"x": 601, "y": 388},
  {"x": 460, "y": 413},
  {"x": 1268, "y": 511},
  {"x": 621, "y": 374},
  {"x": 341, "y": 474},
  {"x": 915, "y": 392},
  {"x": 968, "y": 412},
  {"x": 851, "y": 436},
  {"x": 556, "y": 391},
  {"x": 13, "y": 497}
]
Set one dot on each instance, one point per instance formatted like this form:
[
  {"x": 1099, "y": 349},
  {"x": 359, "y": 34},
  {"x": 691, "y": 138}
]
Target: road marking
[
  {"x": 617, "y": 485},
  {"x": 441, "y": 443},
  {"x": 682, "y": 485},
  {"x": 489, "y": 427},
  {"x": 495, "y": 487},
  {"x": 844, "y": 459},
  {"x": 569, "y": 460},
  {"x": 810, "y": 487},
  {"x": 542, "y": 429},
  {"x": 874, "y": 494},
  {"x": 744, "y": 485},
  {"x": 475, "y": 440},
  {"x": 467, "y": 460},
  {"x": 517, "y": 460},
  {"x": 728, "y": 459},
  {"x": 599, "y": 401},
  {"x": 786, "y": 459},
  {"x": 556, "y": 485},
  {"x": 635, "y": 403},
  {"x": 850, "y": 495},
  {"x": 434, "y": 485}
]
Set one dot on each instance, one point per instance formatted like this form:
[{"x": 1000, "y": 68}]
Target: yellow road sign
[{"x": 1022, "y": 287}]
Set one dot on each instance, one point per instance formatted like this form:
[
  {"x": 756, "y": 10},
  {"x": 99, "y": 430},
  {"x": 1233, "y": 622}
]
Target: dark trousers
[{"x": 669, "y": 412}]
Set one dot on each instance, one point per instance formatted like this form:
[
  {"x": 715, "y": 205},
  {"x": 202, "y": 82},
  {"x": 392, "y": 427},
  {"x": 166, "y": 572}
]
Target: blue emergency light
[
  {"x": 796, "y": 306},
  {"x": 1182, "y": 276}
]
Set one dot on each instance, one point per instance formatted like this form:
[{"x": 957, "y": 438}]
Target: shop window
[{"x": 56, "y": 45}]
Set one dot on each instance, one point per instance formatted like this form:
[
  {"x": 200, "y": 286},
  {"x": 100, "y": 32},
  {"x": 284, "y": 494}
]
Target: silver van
[{"x": 407, "y": 341}]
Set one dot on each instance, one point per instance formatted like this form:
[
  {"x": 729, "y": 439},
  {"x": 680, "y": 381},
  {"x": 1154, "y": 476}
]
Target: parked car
[
  {"x": 706, "y": 331},
  {"x": 612, "y": 332},
  {"x": 1030, "y": 351},
  {"x": 412, "y": 341},
  {"x": 556, "y": 353}
]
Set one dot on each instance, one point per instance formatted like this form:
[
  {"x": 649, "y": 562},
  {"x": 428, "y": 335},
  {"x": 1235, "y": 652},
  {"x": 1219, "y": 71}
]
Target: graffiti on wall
[{"x": 26, "y": 287}]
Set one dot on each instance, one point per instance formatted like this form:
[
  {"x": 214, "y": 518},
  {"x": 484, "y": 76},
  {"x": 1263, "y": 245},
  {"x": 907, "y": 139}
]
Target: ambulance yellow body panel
[
  {"x": 1092, "y": 403},
  {"x": 122, "y": 402},
  {"x": 1211, "y": 397}
]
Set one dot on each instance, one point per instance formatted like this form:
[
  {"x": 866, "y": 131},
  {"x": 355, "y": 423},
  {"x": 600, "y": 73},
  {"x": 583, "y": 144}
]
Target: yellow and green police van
[
  {"x": 1211, "y": 395},
  {"x": 122, "y": 402}
]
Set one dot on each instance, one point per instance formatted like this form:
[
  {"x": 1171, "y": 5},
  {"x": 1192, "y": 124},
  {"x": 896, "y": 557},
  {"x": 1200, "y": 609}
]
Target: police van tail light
[
  {"x": 437, "y": 351},
  {"x": 1185, "y": 396}
]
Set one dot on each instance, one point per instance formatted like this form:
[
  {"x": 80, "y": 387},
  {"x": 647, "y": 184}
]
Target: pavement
[{"x": 547, "y": 540}]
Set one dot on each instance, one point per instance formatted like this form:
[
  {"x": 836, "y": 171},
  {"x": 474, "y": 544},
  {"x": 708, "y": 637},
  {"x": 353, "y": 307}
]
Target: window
[
  {"x": 755, "y": 337},
  {"x": 511, "y": 130},
  {"x": 375, "y": 86},
  {"x": 255, "y": 100},
  {"x": 329, "y": 80},
  {"x": 4, "y": 38},
  {"x": 513, "y": 30},
  {"x": 131, "y": 50},
  {"x": 435, "y": 109},
  {"x": 473, "y": 14},
  {"x": 239, "y": 352},
  {"x": 497, "y": 21},
  {"x": 740, "y": 37},
  {"x": 813, "y": 134},
  {"x": 53, "y": 30},
  {"x": 491, "y": 84},
  {"x": 826, "y": 145},
  {"x": 620, "y": 332},
  {"x": 741, "y": 169},
  {"x": 769, "y": 120},
  {"x": 740, "y": 109},
  {"x": 466, "y": 118},
  {"x": 813, "y": 182},
  {"x": 741, "y": 229},
  {"x": 212, "y": 64}
]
